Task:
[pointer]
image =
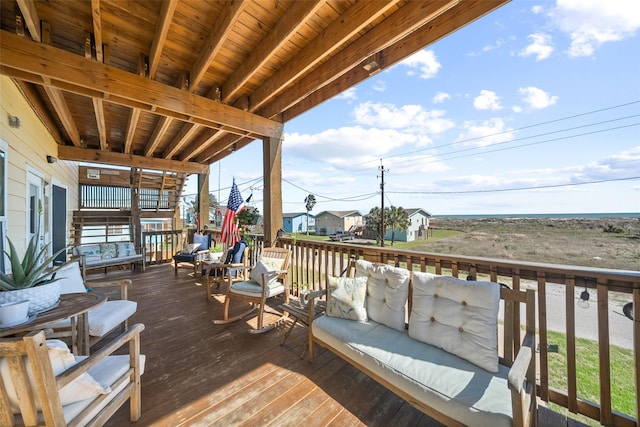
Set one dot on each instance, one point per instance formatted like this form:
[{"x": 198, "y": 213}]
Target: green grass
[
  {"x": 437, "y": 235},
  {"x": 587, "y": 361}
]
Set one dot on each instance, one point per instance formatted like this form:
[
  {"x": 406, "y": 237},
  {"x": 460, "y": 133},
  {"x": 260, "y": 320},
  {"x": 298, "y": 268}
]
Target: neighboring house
[
  {"x": 28, "y": 179},
  {"x": 297, "y": 222},
  {"x": 418, "y": 227},
  {"x": 329, "y": 222}
]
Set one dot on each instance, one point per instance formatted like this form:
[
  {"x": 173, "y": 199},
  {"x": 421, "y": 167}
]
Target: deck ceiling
[{"x": 177, "y": 85}]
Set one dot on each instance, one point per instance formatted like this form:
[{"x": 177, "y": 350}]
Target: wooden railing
[
  {"x": 313, "y": 261},
  {"x": 160, "y": 246}
]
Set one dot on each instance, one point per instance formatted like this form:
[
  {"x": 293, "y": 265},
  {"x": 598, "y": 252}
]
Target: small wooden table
[
  {"x": 71, "y": 306},
  {"x": 301, "y": 314}
]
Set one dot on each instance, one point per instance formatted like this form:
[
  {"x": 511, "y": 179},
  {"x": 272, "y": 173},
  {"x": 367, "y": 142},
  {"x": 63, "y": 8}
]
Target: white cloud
[
  {"x": 425, "y": 61},
  {"x": 380, "y": 86},
  {"x": 517, "y": 109},
  {"x": 536, "y": 10},
  {"x": 411, "y": 118},
  {"x": 590, "y": 23},
  {"x": 487, "y": 100},
  {"x": 348, "y": 146},
  {"x": 537, "y": 98},
  {"x": 540, "y": 46},
  {"x": 483, "y": 134},
  {"x": 440, "y": 97},
  {"x": 349, "y": 94}
]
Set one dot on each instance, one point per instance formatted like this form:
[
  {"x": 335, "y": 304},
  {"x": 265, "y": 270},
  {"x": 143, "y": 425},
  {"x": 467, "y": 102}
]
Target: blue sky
[{"x": 538, "y": 96}]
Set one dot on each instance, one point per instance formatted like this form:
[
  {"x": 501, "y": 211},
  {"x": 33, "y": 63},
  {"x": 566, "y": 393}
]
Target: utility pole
[{"x": 382, "y": 229}]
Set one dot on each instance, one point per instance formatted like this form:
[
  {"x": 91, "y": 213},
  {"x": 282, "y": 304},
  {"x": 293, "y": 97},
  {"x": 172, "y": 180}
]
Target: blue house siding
[
  {"x": 297, "y": 223},
  {"x": 418, "y": 227}
]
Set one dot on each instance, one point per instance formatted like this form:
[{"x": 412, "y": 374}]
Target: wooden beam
[
  {"x": 97, "y": 29},
  {"x": 98, "y": 109},
  {"x": 410, "y": 17},
  {"x": 158, "y": 135},
  {"x": 69, "y": 72},
  {"x": 293, "y": 19},
  {"x": 222, "y": 145},
  {"x": 272, "y": 193},
  {"x": 443, "y": 25},
  {"x": 66, "y": 152},
  {"x": 35, "y": 100},
  {"x": 354, "y": 20},
  {"x": 203, "y": 141},
  {"x": 30, "y": 14},
  {"x": 222, "y": 27},
  {"x": 238, "y": 144},
  {"x": 167, "y": 9},
  {"x": 184, "y": 135}
]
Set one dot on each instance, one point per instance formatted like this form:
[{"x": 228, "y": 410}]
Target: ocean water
[{"x": 549, "y": 215}]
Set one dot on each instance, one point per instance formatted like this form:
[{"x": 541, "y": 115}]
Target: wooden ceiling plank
[
  {"x": 340, "y": 31},
  {"x": 222, "y": 145},
  {"x": 410, "y": 17},
  {"x": 30, "y": 14},
  {"x": 56, "y": 97},
  {"x": 97, "y": 29},
  {"x": 294, "y": 18},
  {"x": 450, "y": 21},
  {"x": 67, "y": 152},
  {"x": 222, "y": 27},
  {"x": 98, "y": 109},
  {"x": 167, "y": 9},
  {"x": 80, "y": 76},
  {"x": 187, "y": 131},
  {"x": 238, "y": 144}
]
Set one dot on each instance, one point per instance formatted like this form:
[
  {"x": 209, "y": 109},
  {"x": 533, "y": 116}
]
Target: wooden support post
[
  {"x": 203, "y": 199},
  {"x": 272, "y": 169}
]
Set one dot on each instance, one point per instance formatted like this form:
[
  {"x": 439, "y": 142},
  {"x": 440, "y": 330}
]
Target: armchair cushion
[
  {"x": 346, "y": 297},
  {"x": 83, "y": 387},
  {"x": 105, "y": 317},
  {"x": 253, "y": 289},
  {"x": 459, "y": 316}
]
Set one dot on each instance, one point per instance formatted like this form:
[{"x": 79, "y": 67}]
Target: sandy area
[{"x": 607, "y": 243}]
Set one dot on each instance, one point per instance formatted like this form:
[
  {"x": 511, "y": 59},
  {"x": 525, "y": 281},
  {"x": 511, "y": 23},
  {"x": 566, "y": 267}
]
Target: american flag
[{"x": 235, "y": 205}]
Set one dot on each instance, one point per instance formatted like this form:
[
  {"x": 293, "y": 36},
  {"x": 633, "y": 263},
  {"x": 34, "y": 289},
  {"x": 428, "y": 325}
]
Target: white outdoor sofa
[
  {"x": 103, "y": 255},
  {"x": 446, "y": 362}
]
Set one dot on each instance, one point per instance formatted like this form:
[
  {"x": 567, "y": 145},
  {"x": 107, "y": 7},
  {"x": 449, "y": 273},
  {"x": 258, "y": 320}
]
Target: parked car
[{"x": 342, "y": 235}]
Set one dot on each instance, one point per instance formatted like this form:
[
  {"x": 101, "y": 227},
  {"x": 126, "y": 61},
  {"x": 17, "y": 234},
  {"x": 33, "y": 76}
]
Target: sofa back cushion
[
  {"x": 124, "y": 249},
  {"x": 387, "y": 292},
  {"x": 346, "y": 297},
  {"x": 91, "y": 252},
  {"x": 458, "y": 316},
  {"x": 108, "y": 250}
]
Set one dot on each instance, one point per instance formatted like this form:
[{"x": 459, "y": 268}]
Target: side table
[{"x": 301, "y": 314}]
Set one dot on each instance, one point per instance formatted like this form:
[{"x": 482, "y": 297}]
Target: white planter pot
[
  {"x": 13, "y": 313},
  {"x": 40, "y": 298}
]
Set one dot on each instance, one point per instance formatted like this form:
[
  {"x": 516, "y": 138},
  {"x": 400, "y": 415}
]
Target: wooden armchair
[
  {"x": 194, "y": 253},
  {"x": 42, "y": 383},
  {"x": 268, "y": 278},
  {"x": 102, "y": 319}
]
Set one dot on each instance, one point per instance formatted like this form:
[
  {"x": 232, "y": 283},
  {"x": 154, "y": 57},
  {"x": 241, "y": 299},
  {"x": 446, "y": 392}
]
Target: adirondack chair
[{"x": 267, "y": 279}]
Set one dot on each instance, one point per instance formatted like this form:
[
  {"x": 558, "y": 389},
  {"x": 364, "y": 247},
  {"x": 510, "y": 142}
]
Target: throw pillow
[
  {"x": 459, "y": 316},
  {"x": 125, "y": 249},
  {"x": 190, "y": 248},
  {"x": 387, "y": 292},
  {"x": 91, "y": 252},
  {"x": 70, "y": 279},
  {"x": 108, "y": 250},
  {"x": 260, "y": 269},
  {"x": 346, "y": 296},
  {"x": 83, "y": 387}
]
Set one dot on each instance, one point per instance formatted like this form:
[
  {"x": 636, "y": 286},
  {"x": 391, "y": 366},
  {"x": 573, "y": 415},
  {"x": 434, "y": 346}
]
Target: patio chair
[
  {"x": 267, "y": 279},
  {"x": 102, "y": 319},
  {"x": 43, "y": 383},
  {"x": 218, "y": 273},
  {"x": 194, "y": 253}
]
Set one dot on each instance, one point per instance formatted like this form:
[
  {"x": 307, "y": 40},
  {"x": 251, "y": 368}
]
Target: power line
[{"x": 501, "y": 190}]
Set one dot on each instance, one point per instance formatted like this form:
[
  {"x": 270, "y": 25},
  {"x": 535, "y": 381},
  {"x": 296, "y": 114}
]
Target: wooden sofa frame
[
  {"x": 111, "y": 262},
  {"x": 518, "y": 353}
]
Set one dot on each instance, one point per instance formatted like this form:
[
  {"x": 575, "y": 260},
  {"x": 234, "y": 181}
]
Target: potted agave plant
[{"x": 31, "y": 278}]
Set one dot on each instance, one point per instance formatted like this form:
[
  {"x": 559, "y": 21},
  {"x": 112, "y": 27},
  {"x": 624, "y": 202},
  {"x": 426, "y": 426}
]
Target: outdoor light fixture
[
  {"x": 373, "y": 64},
  {"x": 51, "y": 159},
  {"x": 584, "y": 299},
  {"x": 14, "y": 121}
]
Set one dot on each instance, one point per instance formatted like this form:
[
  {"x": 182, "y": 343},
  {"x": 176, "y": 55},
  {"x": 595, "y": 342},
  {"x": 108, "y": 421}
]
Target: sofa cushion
[
  {"x": 387, "y": 292},
  {"x": 458, "y": 316},
  {"x": 346, "y": 297},
  {"x": 108, "y": 250},
  {"x": 432, "y": 376},
  {"x": 83, "y": 387}
]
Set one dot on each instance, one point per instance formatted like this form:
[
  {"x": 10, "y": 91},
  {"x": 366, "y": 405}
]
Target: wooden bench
[
  {"x": 104, "y": 255},
  {"x": 447, "y": 361}
]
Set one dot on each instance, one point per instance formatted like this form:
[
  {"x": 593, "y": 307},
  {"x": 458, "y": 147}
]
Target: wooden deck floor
[{"x": 201, "y": 374}]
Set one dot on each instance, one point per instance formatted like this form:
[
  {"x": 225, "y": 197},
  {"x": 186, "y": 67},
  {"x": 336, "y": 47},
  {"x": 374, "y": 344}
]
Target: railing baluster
[{"x": 604, "y": 354}]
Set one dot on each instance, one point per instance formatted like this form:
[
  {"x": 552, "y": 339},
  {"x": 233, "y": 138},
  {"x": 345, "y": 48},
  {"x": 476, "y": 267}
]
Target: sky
[{"x": 534, "y": 108}]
